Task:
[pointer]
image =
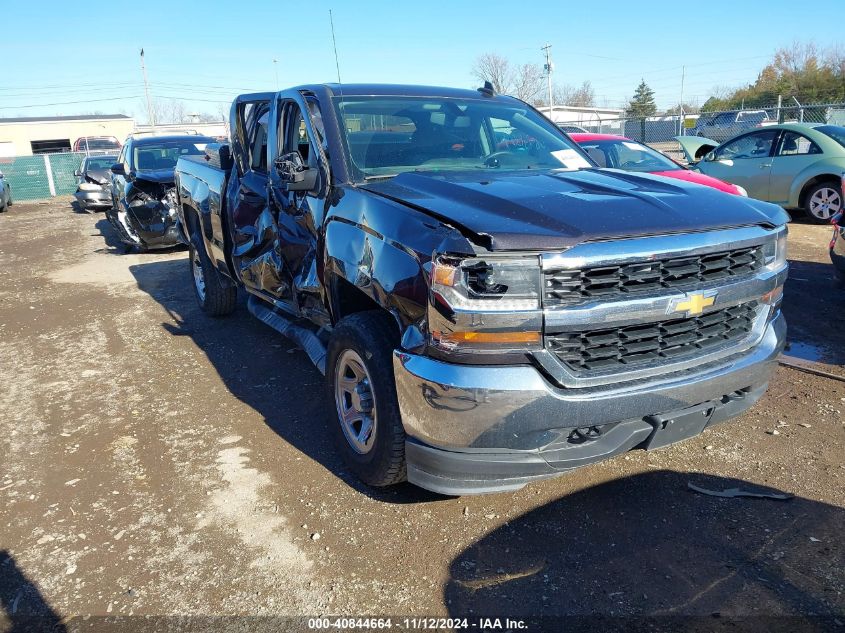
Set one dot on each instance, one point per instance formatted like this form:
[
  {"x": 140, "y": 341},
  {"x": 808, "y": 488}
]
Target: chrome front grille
[
  {"x": 617, "y": 282},
  {"x": 634, "y": 346}
]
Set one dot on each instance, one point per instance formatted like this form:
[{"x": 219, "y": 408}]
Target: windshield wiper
[{"x": 384, "y": 176}]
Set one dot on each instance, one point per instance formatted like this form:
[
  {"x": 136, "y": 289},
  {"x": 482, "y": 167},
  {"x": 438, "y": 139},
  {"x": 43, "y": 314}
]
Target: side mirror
[
  {"x": 119, "y": 169},
  {"x": 77, "y": 173},
  {"x": 294, "y": 174}
]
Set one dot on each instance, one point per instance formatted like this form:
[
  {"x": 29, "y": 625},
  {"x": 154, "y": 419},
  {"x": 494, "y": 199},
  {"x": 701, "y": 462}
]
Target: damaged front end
[{"x": 146, "y": 215}]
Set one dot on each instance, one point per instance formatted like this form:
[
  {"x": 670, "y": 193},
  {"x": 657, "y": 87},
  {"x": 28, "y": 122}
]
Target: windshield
[
  {"x": 389, "y": 135},
  {"x": 836, "y": 132},
  {"x": 627, "y": 155},
  {"x": 101, "y": 162},
  {"x": 98, "y": 143},
  {"x": 164, "y": 154}
]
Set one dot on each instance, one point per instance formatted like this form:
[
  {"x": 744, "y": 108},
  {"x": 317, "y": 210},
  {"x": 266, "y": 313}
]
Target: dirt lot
[{"x": 156, "y": 461}]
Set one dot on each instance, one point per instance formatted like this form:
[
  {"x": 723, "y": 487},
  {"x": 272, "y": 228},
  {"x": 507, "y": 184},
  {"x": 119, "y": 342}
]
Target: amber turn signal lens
[
  {"x": 444, "y": 275},
  {"x": 773, "y": 296},
  {"x": 501, "y": 338}
]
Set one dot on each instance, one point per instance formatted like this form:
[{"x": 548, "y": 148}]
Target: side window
[
  {"x": 258, "y": 144},
  {"x": 125, "y": 156},
  {"x": 296, "y": 136},
  {"x": 794, "y": 144},
  {"x": 596, "y": 153},
  {"x": 756, "y": 145}
]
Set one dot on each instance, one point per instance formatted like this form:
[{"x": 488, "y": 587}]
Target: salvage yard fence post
[{"x": 49, "y": 173}]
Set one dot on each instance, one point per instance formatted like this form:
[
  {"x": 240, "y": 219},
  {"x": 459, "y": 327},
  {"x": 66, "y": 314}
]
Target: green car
[{"x": 794, "y": 165}]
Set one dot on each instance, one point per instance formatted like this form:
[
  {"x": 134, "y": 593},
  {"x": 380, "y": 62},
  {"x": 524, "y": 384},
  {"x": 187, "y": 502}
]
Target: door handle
[{"x": 765, "y": 166}]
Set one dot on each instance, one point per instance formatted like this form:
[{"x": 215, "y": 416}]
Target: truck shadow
[
  {"x": 22, "y": 607},
  {"x": 645, "y": 545},
  {"x": 813, "y": 305},
  {"x": 263, "y": 369}
]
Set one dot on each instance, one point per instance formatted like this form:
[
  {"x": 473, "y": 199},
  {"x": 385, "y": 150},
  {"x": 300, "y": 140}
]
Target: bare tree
[
  {"x": 528, "y": 82},
  {"x": 168, "y": 111},
  {"x": 523, "y": 82},
  {"x": 567, "y": 95},
  {"x": 495, "y": 69},
  {"x": 584, "y": 96}
]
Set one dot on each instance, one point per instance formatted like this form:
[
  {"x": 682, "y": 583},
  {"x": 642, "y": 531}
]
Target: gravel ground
[{"x": 159, "y": 462}]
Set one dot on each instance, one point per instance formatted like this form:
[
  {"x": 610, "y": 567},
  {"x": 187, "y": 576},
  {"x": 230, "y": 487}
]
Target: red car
[{"x": 619, "y": 152}]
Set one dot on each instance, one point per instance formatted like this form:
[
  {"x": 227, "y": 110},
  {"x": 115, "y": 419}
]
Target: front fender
[{"x": 388, "y": 274}]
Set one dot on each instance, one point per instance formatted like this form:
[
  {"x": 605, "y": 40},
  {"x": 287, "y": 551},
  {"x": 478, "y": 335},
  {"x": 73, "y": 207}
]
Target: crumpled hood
[
  {"x": 101, "y": 176},
  {"x": 539, "y": 210},
  {"x": 164, "y": 176}
]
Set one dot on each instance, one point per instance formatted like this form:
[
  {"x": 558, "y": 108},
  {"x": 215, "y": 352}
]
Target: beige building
[{"x": 24, "y": 136}]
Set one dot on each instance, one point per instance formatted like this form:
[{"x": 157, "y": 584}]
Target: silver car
[
  {"x": 725, "y": 125},
  {"x": 5, "y": 193}
]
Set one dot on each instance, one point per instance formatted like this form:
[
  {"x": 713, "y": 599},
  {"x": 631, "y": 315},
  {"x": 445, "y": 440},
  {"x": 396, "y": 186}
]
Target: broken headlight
[{"x": 485, "y": 303}]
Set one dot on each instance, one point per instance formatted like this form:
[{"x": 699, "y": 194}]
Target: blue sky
[{"x": 84, "y": 58}]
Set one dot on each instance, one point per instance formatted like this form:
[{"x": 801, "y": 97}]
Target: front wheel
[
  {"x": 368, "y": 426},
  {"x": 215, "y": 294},
  {"x": 822, "y": 202}
]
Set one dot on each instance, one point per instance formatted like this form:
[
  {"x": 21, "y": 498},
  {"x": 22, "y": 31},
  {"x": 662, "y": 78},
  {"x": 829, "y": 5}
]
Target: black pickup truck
[{"x": 488, "y": 307}]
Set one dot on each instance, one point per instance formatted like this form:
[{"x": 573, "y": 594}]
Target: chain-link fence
[
  {"x": 660, "y": 131},
  {"x": 41, "y": 176}
]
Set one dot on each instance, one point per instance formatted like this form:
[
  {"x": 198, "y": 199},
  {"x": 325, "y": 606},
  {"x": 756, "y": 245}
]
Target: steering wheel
[{"x": 493, "y": 159}]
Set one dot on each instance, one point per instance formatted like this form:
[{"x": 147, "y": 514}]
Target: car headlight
[
  {"x": 774, "y": 252},
  {"x": 89, "y": 186},
  {"x": 741, "y": 190},
  {"x": 485, "y": 303}
]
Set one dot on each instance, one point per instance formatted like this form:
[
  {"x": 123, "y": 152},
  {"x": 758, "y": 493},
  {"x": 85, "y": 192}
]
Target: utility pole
[
  {"x": 276, "y": 71},
  {"x": 681, "y": 104},
  {"x": 150, "y": 114},
  {"x": 549, "y": 67}
]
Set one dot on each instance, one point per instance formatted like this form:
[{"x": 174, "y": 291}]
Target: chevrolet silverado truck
[{"x": 488, "y": 307}]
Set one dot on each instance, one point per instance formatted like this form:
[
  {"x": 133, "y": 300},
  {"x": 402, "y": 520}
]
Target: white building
[{"x": 584, "y": 116}]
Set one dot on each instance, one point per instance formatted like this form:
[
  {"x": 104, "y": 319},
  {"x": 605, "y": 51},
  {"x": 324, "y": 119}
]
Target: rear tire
[
  {"x": 823, "y": 201},
  {"x": 216, "y": 295},
  {"x": 362, "y": 393}
]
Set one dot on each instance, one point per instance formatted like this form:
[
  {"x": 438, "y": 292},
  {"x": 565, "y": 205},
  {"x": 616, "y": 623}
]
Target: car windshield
[
  {"x": 98, "y": 143},
  {"x": 627, "y": 155},
  {"x": 836, "y": 132},
  {"x": 101, "y": 162},
  {"x": 164, "y": 154},
  {"x": 389, "y": 135}
]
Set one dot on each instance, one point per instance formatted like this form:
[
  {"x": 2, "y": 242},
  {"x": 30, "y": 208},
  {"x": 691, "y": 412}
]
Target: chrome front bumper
[{"x": 510, "y": 422}]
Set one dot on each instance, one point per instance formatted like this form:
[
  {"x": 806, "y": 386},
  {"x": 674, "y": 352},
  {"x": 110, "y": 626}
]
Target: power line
[{"x": 44, "y": 105}]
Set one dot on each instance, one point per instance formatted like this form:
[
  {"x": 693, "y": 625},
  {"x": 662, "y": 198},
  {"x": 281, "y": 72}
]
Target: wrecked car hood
[
  {"x": 157, "y": 175},
  {"x": 539, "y": 210},
  {"x": 695, "y": 147},
  {"x": 101, "y": 176}
]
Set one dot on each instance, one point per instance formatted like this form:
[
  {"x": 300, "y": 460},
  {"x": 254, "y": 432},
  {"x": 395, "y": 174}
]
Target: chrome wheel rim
[
  {"x": 355, "y": 402},
  {"x": 199, "y": 278},
  {"x": 825, "y": 203}
]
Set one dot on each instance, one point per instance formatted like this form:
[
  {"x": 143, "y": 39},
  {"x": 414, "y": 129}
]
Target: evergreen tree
[{"x": 642, "y": 105}]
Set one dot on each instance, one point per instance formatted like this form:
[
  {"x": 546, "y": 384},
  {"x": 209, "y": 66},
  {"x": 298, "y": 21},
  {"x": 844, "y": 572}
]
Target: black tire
[
  {"x": 372, "y": 336},
  {"x": 218, "y": 296},
  {"x": 808, "y": 200}
]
